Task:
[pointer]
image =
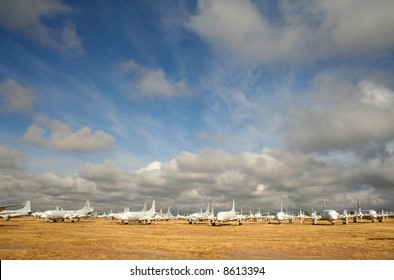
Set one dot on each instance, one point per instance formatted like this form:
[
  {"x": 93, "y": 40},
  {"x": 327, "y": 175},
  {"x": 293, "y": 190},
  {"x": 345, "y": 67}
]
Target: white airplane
[
  {"x": 330, "y": 215},
  {"x": 199, "y": 216},
  {"x": 163, "y": 216},
  {"x": 145, "y": 217},
  {"x": 370, "y": 215},
  {"x": 281, "y": 216},
  {"x": 257, "y": 216},
  {"x": 8, "y": 214},
  {"x": 72, "y": 215},
  {"x": 226, "y": 216}
]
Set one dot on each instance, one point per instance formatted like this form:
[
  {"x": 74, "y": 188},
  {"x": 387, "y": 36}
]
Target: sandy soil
[{"x": 94, "y": 239}]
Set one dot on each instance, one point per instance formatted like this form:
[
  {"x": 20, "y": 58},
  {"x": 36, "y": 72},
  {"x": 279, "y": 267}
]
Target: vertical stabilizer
[
  {"x": 86, "y": 207},
  {"x": 233, "y": 209},
  {"x": 153, "y": 208},
  {"x": 27, "y": 207}
]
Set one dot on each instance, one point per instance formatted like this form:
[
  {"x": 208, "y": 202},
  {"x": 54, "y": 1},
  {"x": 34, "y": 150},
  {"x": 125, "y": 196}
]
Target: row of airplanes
[{"x": 146, "y": 216}]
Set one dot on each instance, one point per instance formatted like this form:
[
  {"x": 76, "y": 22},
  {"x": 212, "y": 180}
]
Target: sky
[{"x": 196, "y": 102}]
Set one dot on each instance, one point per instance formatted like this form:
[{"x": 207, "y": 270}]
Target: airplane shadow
[{"x": 9, "y": 225}]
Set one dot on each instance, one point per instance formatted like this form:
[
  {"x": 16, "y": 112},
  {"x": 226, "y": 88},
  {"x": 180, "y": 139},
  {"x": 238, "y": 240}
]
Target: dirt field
[{"x": 95, "y": 239}]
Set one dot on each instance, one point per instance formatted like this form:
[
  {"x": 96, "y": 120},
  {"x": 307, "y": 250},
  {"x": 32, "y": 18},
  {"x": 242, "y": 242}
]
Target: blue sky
[{"x": 190, "y": 102}]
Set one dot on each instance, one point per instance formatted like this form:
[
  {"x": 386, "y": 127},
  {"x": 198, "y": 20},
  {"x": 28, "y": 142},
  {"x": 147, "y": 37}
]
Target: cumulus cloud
[
  {"x": 153, "y": 82},
  {"x": 31, "y": 19},
  {"x": 57, "y": 135},
  {"x": 307, "y": 31},
  {"x": 190, "y": 180},
  {"x": 107, "y": 172},
  {"x": 342, "y": 116},
  {"x": 15, "y": 97},
  {"x": 9, "y": 158}
]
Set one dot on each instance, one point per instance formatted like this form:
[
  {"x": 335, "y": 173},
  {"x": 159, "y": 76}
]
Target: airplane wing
[{"x": 2, "y": 207}]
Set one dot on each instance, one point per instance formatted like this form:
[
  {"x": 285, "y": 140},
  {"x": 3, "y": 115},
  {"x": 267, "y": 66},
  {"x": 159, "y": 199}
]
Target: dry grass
[{"x": 29, "y": 238}]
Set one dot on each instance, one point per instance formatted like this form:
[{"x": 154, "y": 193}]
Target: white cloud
[
  {"x": 308, "y": 31},
  {"x": 342, "y": 116},
  {"x": 153, "y": 82},
  {"x": 17, "y": 98},
  {"x": 30, "y": 18},
  {"x": 107, "y": 172},
  {"x": 153, "y": 166},
  {"x": 377, "y": 95},
  {"x": 190, "y": 180},
  {"x": 61, "y": 137},
  {"x": 9, "y": 158}
]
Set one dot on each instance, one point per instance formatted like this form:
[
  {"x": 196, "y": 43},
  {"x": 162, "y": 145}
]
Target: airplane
[
  {"x": 281, "y": 216},
  {"x": 163, "y": 216},
  {"x": 145, "y": 217},
  {"x": 8, "y": 214},
  {"x": 200, "y": 216},
  {"x": 226, "y": 216},
  {"x": 72, "y": 215},
  {"x": 370, "y": 214},
  {"x": 330, "y": 215},
  {"x": 258, "y": 216}
]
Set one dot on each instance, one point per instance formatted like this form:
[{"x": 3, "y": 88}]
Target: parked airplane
[
  {"x": 330, "y": 215},
  {"x": 282, "y": 216},
  {"x": 141, "y": 216},
  {"x": 163, "y": 216},
  {"x": 200, "y": 216},
  {"x": 226, "y": 216},
  {"x": 370, "y": 215},
  {"x": 72, "y": 215},
  {"x": 8, "y": 214},
  {"x": 258, "y": 216}
]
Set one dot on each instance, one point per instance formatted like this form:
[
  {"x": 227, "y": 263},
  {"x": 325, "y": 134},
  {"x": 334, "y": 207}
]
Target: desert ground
[{"x": 29, "y": 238}]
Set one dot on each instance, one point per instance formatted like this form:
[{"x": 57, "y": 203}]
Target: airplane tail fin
[
  {"x": 153, "y": 208},
  {"x": 145, "y": 207},
  {"x": 233, "y": 209},
  {"x": 324, "y": 204},
  {"x": 27, "y": 207},
  {"x": 86, "y": 207},
  {"x": 208, "y": 209},
  {"x": 358, "y": 206}
]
